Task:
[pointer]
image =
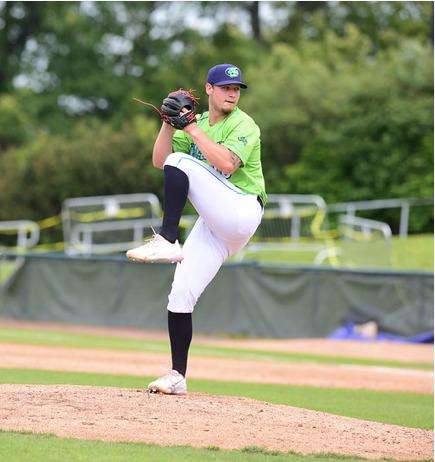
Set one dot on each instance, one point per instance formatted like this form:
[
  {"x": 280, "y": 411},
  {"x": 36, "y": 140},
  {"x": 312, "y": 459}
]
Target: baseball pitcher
[{"x": 212, "y": 159}]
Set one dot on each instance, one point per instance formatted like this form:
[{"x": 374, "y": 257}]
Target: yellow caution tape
[
  {"x": 332, "y": 256},
  {"x": 48, "y": 247},
  {"x": 56, "y": 246},
  {"x": 316, "y": 225},
  {"x": 46, "y": 223},
  {"x": 49, "y": 222},
  {"x": 87, "y": 217},
  {"x": 8, "y": 231}
]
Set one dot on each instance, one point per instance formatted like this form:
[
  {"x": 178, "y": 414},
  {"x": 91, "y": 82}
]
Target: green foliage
[
  {"x": 384, "y": 22},
  {"x": 93, "y": 160},
  {"x": 15, "y": 123},
  {"x": 345, "y": 126},
  {"x": 342, "y": 91}
]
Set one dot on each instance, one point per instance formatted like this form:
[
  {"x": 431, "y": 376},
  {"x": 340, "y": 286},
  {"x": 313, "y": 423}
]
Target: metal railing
[
  {"x": 27, "y": 232},
  {"x": 350, "y": 208},
  {"x": 287, "y": 218},
  {"x": 101, "y": 224},
  {"x": 365, "y": 227},
  {"x": 293, "y": 207}
]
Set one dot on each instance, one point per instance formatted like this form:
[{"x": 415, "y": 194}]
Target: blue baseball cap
[{"x": 224, "y": 74}]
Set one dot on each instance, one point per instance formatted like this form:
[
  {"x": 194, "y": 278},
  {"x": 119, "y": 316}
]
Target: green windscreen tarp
[{"x": 253, "y": 299}]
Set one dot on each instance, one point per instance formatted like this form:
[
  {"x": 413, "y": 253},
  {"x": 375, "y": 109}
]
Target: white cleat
[
  {"x": 170, "y": 384},
  {"x": 157, "y": 249}
]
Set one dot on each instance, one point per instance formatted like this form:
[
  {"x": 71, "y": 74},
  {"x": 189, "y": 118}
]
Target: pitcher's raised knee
[
  {"x": 175, "y": 159},
  {"x": 181, "y": 300}
]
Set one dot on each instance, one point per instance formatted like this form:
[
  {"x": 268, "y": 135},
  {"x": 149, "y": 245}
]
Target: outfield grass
[
  {"x": 415, "y": 253},
  {"x": 68, "y": 339},
  {"x": 400, "y": 408},
  {"x": 24, "y": 447}
]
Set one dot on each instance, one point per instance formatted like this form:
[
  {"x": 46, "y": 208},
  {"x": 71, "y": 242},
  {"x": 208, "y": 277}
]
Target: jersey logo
[
  {"x": 232, "y": 72},
  {"x": 195, "y": 152},
  {"x": 243, "y": 140}
]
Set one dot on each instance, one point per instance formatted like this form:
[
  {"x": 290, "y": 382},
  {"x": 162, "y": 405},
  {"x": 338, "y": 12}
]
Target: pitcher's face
[{"x": 223, "y": 99}]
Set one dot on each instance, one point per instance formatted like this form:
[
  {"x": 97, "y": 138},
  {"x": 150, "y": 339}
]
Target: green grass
[
  {"x": 67, "y": 339},
  {"x": 24, "y": 447},
  {"x": 412, "y": 253},
  {"x": 406, "y": 409}
]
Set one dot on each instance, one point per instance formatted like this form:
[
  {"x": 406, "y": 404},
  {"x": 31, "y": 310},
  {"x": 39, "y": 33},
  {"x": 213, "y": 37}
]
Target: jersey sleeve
[
  {"x": 242, "y": 139},
  {"x": 180, "y": 142}
]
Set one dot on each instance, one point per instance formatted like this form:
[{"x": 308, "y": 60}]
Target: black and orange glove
[{"x": 173, "y": 105}]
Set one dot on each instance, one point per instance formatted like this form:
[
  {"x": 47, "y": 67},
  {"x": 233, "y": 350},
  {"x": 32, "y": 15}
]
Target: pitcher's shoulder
[{"x": 246, "y": 118}]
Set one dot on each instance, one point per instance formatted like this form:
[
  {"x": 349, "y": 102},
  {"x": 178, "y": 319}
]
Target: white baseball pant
[{"x": 228, "y": 218}]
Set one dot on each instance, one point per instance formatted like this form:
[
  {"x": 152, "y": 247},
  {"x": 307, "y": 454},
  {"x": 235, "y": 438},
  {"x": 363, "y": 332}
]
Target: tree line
[{"x": 342, "y": 92}]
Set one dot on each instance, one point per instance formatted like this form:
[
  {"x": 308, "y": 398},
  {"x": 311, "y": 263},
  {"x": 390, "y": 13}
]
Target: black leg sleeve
[
  {"x": 176, "y": 189},
  {"x": 180, "y": 335}
]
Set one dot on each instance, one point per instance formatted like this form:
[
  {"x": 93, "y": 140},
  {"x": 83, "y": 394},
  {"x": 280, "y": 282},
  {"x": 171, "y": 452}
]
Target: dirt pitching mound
[{"x": 201, "y": 420}]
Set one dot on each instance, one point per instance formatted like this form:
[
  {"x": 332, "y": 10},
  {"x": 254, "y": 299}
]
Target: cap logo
[{"x": 232, "y": 72}]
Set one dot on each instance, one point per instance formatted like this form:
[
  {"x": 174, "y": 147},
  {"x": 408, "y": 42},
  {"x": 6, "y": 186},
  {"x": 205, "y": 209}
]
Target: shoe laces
[
  {"x": 173, "y": 376},
  {"x": 151, "y": 239}
]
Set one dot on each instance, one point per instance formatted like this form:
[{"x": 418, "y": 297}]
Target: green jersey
[{"x": 239, "y": 133}]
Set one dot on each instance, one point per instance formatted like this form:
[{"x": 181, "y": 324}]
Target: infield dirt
[{"x": 202, "y": 420}]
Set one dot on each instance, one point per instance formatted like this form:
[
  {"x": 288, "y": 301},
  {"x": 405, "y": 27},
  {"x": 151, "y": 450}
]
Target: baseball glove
[{"x": 173, "y": 105}]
